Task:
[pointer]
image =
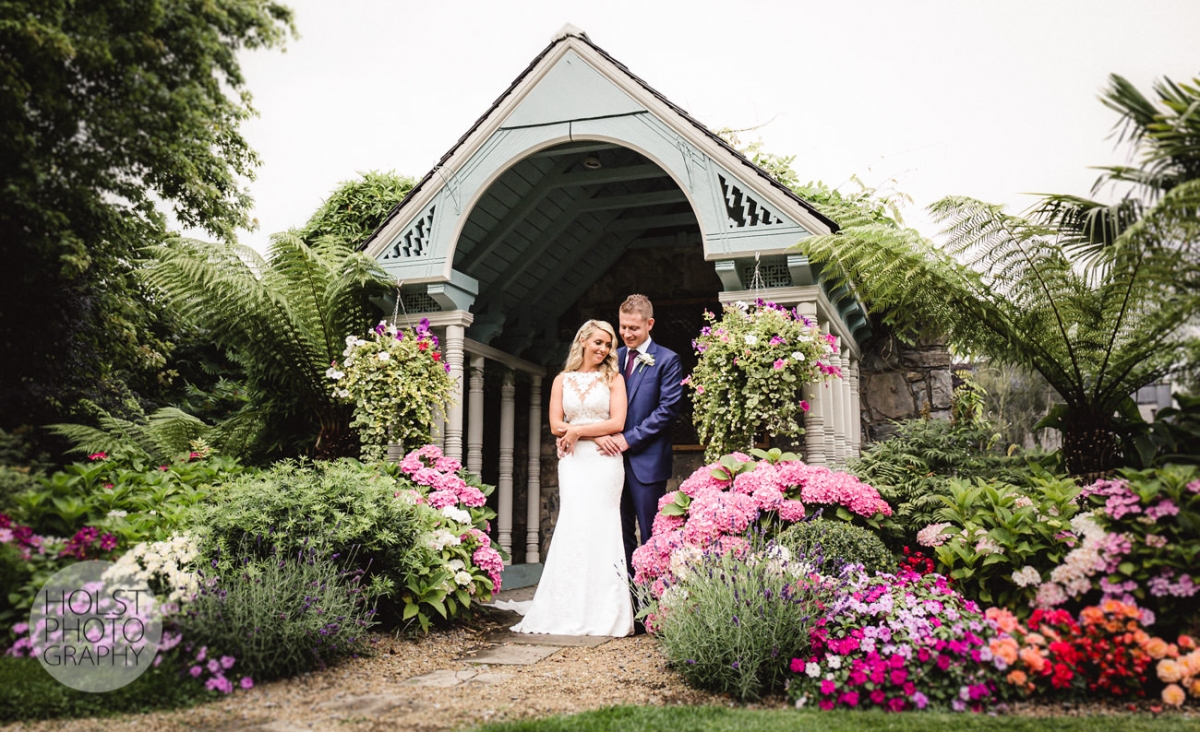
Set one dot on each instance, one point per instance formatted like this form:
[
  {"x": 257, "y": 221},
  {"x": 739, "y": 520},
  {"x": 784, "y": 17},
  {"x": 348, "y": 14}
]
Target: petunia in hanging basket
[
  {"x": 397, "y": 381},
  {"x": 753, "y": 362}
]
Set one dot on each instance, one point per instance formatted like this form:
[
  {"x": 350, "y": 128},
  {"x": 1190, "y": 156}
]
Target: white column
[
  {"x": 847, "y": 409},
  {"x": 504, "y": 519},
  {"x": 475, "y": 416},
  {"x": 455, "y": 334},
  {"x": 437, "y": 431},
  {"x": 533, "y": 505},
  {"x": 855, "y": 411},
  {"x": 829, "y": 411},
  {"x": 839, "y": 408},
  {"x": 814, "y": 423}
]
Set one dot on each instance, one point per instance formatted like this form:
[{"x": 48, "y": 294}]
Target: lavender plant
[{"x": 732, "y": 622}]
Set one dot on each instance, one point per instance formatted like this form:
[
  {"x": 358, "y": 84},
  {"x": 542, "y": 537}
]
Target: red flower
[
  {"x": 437, "y": 356},
  {"x": 98, "y": 456},
  {"x": 423, "y": 345}
]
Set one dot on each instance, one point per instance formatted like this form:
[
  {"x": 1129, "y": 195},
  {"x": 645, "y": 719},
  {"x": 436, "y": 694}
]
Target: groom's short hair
[{"x": 639, "y": 304}]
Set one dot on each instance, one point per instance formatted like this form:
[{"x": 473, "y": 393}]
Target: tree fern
[{"x": 286, "y": 316}]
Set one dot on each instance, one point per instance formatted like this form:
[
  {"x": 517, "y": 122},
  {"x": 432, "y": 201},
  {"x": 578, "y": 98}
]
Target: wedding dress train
[{"x": 584, "y": 586}]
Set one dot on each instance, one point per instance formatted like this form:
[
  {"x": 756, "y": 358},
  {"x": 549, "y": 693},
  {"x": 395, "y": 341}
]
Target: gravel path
[{"x": 377, "y": 693}]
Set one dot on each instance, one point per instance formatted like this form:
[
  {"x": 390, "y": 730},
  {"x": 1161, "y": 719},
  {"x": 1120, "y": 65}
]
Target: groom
[{"x": 652, "y": 383}]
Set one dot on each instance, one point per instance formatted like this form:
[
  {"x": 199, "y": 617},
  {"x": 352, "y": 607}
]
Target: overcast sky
[{"x": 990, "y": 99}]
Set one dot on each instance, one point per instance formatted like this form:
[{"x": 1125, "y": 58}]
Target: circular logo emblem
[{"x": 95, "y": 629}]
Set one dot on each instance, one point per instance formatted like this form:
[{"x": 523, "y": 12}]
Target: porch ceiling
[{"x": 552, "y": 224}]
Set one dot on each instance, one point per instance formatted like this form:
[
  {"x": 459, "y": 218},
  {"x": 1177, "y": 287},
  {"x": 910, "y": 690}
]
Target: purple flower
[
  {"x": 227, "y": 661},
  {"x": 195, "y": 671},
  {"x": 919, "y": 700},
  {"x": 247, "y": 682}
]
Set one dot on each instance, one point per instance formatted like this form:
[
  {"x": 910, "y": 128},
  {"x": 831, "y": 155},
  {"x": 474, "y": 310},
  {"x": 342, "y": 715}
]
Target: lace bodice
[{"x": 585, "y": 397}]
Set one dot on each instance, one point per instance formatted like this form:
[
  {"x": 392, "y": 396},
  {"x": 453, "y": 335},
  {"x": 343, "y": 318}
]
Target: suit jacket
[{"x": 654, "y": 393}]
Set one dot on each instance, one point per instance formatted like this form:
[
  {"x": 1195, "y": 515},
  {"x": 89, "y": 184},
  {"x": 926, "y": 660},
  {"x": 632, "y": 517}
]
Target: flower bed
[
  {"x": 717, "y": 504},
  {"x": 899, "y": 642}
]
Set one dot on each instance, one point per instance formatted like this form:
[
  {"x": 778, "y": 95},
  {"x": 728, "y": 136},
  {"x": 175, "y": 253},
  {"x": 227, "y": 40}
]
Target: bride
[{"x": 583, "y": 589}]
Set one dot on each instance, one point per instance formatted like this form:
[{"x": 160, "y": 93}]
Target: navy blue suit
[{"x": 654, "y": 393}]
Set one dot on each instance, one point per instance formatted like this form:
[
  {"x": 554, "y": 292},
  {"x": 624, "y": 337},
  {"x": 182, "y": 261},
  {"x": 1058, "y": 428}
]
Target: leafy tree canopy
[{"x": 110, "y": 109}]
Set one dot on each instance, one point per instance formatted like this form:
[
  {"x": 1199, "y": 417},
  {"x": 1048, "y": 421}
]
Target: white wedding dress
[{"x": 584, "y": 586}]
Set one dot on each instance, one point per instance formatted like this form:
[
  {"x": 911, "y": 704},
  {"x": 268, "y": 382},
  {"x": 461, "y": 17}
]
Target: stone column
[
  {"x": 475, "y": 415},
  {"x": 533, "y": 505},
  {"x": 855, "y": 411},
  {"x": 455, "y": 333},
  {"x": 504, "y": 518}
]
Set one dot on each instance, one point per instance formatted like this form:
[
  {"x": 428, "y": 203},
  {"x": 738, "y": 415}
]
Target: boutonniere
[{"x": 644, "y": 360}]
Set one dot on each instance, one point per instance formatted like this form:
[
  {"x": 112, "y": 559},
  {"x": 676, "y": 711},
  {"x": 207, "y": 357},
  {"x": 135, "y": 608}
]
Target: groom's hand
[{"x": 612, "y": 444}]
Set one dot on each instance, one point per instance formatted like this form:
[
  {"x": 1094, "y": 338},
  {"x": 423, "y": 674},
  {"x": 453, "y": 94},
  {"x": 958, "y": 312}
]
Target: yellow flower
[{"x": 1173, "y": 695}]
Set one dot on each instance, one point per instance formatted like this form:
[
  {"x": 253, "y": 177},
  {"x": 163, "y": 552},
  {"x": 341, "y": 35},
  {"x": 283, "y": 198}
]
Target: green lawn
[
  {"x": 714, "y": 719},
  {"x": 28, "y": 692}
]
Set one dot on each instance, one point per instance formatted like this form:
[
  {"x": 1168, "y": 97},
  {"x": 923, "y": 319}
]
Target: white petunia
[
  {"x": 798, "y": 355},
  {"x": 333, "y": 373},
  {"x": 751, "y": 339},
  {"x": 383, "y": 355}
]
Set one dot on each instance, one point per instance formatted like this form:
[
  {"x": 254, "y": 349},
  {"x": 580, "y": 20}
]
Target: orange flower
[
  {"x": 1005, "y": 648},
  {"x": 1033, "y": 659},
  {"x": 1187, "y": 642},
  {"x": 1191, "y": 663},
  {"x": 1035, "y": 639},
  {"x": 1170, "y": 670},
  {"x": 1140, "y": 637},
  {"x": 1195, "y": 687},
  {"x": 1173, "y": 695},
  {"x": 1017, "y": 678},
  {"x": 1091, "y": 615},
  {"x": 1156, "y": 647},
  {"x": 1005, "y": 620}
]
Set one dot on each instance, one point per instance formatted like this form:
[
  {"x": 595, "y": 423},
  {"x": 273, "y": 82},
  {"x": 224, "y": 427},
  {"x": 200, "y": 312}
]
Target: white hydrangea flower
[
  {"x": 1026, "y": 576},
  {"x": 456, "y": 514},
  {"x": 463, "y": 578}
]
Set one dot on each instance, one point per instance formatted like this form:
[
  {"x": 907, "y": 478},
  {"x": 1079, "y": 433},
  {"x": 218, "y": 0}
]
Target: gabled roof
[{"x": 568, "y": 32}]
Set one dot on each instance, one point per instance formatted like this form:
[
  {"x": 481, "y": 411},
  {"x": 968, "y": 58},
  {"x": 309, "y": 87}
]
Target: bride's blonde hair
[{"x": 575, "y": 358}]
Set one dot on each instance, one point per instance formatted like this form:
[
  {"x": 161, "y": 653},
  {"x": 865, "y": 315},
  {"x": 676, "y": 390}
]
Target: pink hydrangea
[
  {"x": 790, "y": 510},
  {"x": 472, "y": 496},
  {"x": 489, "y": 560},
  {"x": 447, "y": 465},
  {"x": 664, "y": 523},
  {"x": 702, "y": 481},
  {"x": 441, "y": 499}
]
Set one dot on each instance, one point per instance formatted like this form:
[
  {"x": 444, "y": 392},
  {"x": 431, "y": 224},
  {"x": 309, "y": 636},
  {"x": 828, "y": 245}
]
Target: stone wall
[{"x": 897, "y": 381}]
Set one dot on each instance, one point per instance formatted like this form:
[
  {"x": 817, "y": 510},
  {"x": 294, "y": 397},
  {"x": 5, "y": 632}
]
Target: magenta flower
[
  {"x": 779, "y": 364},
  {"x": 247, "y": 682},
  {"x": 195, "y": 671}
]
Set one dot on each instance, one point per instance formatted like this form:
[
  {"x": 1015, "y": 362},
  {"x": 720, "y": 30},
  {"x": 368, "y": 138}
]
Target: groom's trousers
[{"x": 639, "y": 504}]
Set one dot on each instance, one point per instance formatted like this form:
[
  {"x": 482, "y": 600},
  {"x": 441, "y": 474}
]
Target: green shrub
[
  {"x": 337, "y": 507},
  {"x": 914, "y": 468},
  {"x": 125, "y": 493},
  {"x": 280, "y": 617},
  {"x": 733, "y": 622},
  {"x": 989, "y": 530},
  {"x": 837, "y": 543}
]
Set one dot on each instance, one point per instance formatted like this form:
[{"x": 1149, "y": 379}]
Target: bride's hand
[{"x": 566, "y": 443}]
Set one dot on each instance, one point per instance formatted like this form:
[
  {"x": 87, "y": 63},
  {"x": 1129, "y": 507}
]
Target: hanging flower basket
[
  {"x": 397, "y": 381},
  {"x": 753, "y": 362}
]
